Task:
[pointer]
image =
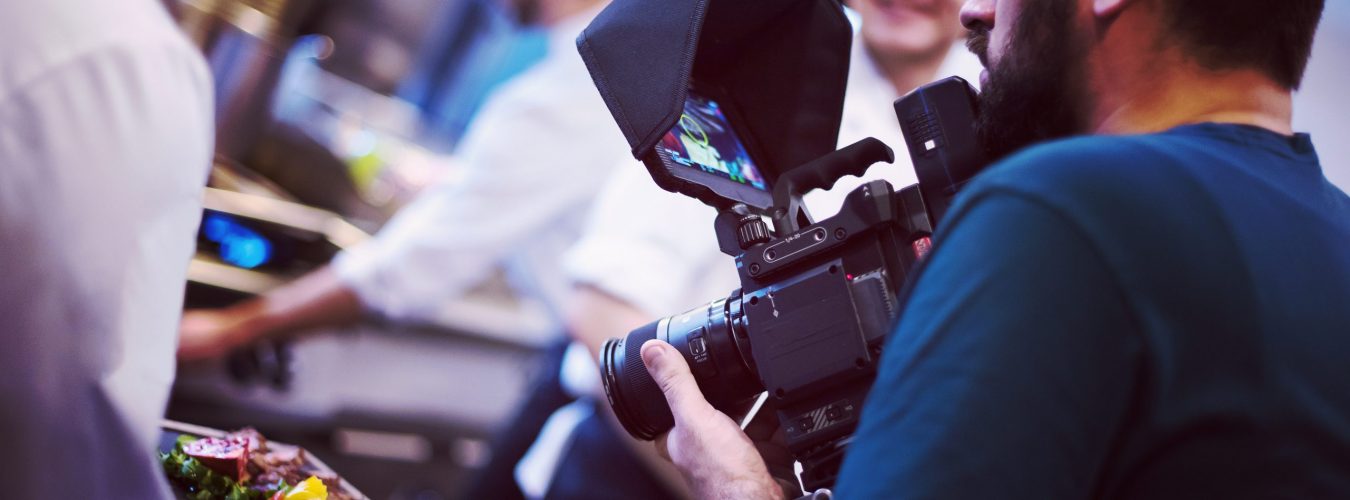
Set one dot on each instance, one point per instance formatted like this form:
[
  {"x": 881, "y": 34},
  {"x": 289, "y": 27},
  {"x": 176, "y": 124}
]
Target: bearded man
[{"x": 1152, "y": 303}]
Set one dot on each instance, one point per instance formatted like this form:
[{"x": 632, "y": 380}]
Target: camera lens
[
  {"x": 632, "y": 392},
  {"x": 706, "y": 338}
]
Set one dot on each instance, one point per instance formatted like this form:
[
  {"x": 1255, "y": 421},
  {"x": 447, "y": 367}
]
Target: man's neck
[
  {"x": 1184, "y": 95},
  {"x": 907, "y": 72}
]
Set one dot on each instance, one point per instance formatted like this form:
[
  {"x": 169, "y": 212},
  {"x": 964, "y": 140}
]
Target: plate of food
[{"x": 209, "y": 464}]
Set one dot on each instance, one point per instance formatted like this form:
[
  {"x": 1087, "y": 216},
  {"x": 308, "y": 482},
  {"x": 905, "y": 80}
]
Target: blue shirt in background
[{"x": 1156, "y": 316}]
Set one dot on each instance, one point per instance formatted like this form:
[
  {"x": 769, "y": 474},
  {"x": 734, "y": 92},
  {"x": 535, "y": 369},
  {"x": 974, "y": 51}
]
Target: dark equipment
[{"x": 817, "y": 299}]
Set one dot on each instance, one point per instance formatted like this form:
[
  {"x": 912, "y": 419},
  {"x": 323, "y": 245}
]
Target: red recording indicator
[{"x": 921, "y": 247}]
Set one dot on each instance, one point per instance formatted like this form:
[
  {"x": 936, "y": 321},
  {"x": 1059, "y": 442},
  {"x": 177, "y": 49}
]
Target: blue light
[
  {"x": 215, "y": 227},
  {"x": 239, "y": 245},
  {"x": 246, "y": 251}
]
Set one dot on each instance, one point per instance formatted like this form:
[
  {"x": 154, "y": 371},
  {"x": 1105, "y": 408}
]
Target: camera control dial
[{"x": 751, "y": 231}]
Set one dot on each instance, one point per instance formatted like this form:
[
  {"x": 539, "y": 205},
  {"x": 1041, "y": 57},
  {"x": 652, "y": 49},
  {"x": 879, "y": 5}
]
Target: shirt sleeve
[
  {"x": 536, "y": 155},
  {"x": 1011, "y": 370},
  {"x": 651, "y": 248}
]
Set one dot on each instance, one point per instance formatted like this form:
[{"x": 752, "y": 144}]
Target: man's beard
[{"x": 1036, "y": 92}]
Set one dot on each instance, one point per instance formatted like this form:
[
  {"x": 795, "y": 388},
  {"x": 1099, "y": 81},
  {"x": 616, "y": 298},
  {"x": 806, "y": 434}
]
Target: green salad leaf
[{"x": 202, "y": 483}]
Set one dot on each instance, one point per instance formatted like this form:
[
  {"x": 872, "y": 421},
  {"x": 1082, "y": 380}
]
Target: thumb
[{"x": 671, "y": 373}]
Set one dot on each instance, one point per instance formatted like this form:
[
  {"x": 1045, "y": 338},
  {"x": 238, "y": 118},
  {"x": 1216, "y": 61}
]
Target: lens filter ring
[
  {"x": 636, "y": 398},
  {"x": 611, "y": 363}
]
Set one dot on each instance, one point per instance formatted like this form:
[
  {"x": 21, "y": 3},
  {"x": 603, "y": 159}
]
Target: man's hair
[{"x": 1272, "y": 36}]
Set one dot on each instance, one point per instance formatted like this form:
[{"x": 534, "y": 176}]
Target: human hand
[
  {"x": 213, "y": 333},
  {"x": 716, "y": 458}
]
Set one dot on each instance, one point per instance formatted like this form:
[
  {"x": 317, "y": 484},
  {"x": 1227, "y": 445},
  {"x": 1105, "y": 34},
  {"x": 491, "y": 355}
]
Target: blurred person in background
[
  {"x": 105, "y": 141},
  {"x": 540, "y": 149},
  {"x": 648, "y": 253},
  {"x": 535, "y": 156}
]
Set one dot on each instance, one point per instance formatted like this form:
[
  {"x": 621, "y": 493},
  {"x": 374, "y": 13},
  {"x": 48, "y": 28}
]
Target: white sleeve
[
  {"x": 103, "y": 156},
  {"x": 535, "y": 156},
  {"x": 651, "y": 248}
]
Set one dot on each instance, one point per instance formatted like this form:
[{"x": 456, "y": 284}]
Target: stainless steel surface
[
  {"x": 440, "y": 396},
  {"x": 381, "y": 378},
  {"x": 334, "y": 228},
  {"x": 245, "y": 43},
  {"x": 376, "y": 44},
  {"x": 211, "y": 272}
]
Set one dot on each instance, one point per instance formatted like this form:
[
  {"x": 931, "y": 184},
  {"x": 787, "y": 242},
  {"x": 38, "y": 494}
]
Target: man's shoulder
[
  {"x": 39, "y": 38},
  {"x": 1103, "y": 162},
  {"x": 1113, "y": 174}
]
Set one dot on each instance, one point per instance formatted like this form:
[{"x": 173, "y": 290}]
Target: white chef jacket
[
  {"x": 105, "y": 141},
  {"x": 541, "y": 148},
  {"x": 657, "y": 250}
]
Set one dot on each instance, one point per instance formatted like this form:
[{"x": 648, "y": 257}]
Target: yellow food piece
[{"x": 309, "y": 489}]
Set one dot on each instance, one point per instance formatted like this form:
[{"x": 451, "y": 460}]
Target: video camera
[{"x": 817, "y": 298}]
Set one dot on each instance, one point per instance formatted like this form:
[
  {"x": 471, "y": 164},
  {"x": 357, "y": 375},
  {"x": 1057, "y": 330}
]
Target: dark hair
[{"x": 1273, "y": 36}]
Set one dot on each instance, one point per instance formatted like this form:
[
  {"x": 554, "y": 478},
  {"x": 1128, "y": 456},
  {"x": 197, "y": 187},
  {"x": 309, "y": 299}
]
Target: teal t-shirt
[{"x": 1152, "y": 317}]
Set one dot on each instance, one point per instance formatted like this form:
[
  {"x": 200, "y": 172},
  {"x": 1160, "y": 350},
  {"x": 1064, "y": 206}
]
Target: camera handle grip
[{"x": 822, "y": 173}]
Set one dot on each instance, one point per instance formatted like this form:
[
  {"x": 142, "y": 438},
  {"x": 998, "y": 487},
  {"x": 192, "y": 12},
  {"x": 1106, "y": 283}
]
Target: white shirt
[
  {"x": 657, "y": 250},
  {"x": 1320, "y": 106},
  {"x": 542, "y": 147},
  {"x": 105, "y": 141}
]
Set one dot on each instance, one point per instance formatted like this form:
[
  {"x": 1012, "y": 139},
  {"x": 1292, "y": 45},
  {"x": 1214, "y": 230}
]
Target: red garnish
[{"x": 228, "y": 456}]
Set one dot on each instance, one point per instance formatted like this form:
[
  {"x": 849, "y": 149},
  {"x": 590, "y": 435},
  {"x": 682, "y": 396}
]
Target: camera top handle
[
  {"x": 821, "y": 173},
  {"x": 739, "y": 229}
]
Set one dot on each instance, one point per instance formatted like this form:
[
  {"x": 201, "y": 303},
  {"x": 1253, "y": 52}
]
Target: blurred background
[{"x": 332, "y": 114}]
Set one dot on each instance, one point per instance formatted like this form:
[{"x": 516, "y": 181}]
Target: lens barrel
[
  {"x": 717, "y": 356},
  {"x": 636, "y": 398}
]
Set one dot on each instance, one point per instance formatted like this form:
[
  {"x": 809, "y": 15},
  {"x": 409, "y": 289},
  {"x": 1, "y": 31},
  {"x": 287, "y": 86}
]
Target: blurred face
[
  {"x": 908, "y": 28},
  {"x": 525, "y": 12},
  {"x": 1035, "y": 83}
]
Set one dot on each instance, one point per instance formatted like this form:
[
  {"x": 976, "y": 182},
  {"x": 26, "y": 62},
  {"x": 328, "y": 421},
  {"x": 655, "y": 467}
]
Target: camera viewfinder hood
[{"x": 782, "y": 65}]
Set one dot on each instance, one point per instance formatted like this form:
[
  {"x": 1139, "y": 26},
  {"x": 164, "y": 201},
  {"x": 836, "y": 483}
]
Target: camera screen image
[{"x": 703, "y": 140}]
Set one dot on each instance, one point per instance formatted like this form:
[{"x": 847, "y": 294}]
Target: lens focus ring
[{"x": 635, "y": 396}]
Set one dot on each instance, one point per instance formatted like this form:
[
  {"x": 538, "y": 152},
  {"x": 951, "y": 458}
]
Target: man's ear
[{"x": 1107, "y": 9}]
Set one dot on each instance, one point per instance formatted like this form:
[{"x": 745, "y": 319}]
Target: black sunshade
[{"x": 783, "y": 64}]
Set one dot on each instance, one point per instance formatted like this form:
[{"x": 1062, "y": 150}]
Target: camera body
[
  {"x": 817, "y": 305},
  {"x": 817, "y": 299}
]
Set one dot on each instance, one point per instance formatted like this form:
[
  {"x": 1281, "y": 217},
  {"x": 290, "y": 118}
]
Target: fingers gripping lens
[
  {"x": 706, "y": 338},
  {"x": 636, "y": 398}
]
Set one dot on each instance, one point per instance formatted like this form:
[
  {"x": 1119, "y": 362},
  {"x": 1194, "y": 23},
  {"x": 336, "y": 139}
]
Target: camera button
[
  {"x": 697, "y": 347},
  {"x": 833, "y": 413}
]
